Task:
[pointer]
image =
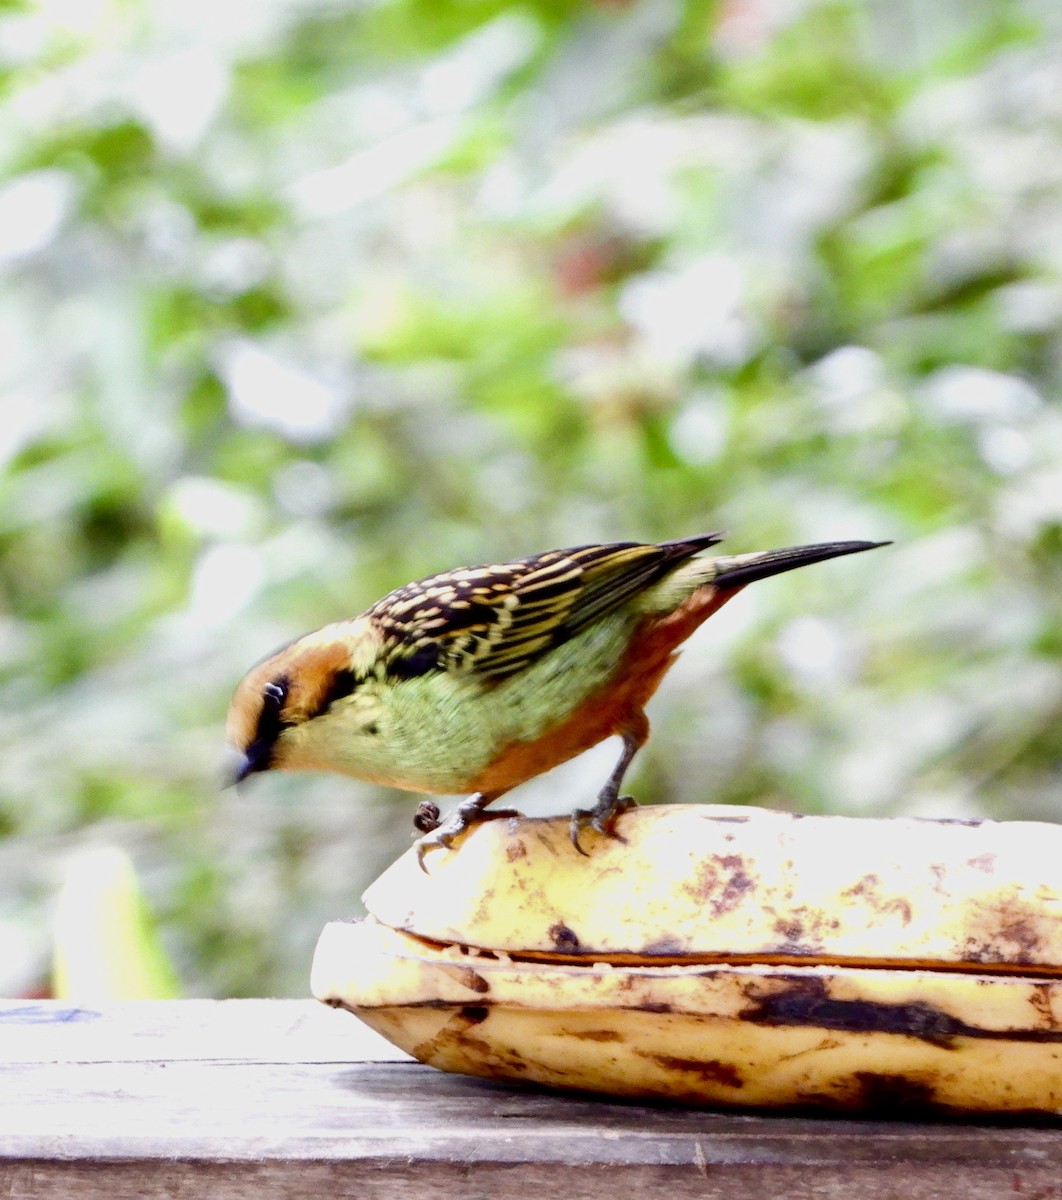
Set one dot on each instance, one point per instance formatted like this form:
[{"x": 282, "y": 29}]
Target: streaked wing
[{"x": 496, "y": 620}]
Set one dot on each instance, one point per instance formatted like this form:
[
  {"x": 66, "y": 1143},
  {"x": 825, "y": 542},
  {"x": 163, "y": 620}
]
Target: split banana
[{"x": 731, "y": 957}]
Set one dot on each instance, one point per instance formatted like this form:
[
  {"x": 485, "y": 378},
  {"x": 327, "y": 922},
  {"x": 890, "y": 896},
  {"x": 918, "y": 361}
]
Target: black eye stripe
[
  {"x": 342, "y": 684},
  {"x": 269, "y": 719}
]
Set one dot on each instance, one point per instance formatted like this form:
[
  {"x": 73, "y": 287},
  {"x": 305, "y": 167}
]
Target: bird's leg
[
  {"x": 469, "y": 812},
  {"x": 610, "y": 804}
]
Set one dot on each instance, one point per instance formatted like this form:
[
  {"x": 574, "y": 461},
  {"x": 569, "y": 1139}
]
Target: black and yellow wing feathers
[{"x": 496, "y": 620}]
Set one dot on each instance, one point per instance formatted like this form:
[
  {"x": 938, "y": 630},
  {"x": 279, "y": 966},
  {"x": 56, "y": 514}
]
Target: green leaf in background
[{"x": 106, "y": 944}]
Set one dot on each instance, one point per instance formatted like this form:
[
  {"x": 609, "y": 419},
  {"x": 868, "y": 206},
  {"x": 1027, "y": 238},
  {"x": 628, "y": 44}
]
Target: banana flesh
[{"x": 768, "y": 961}]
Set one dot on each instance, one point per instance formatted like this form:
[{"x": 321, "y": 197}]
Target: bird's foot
[
  {"x": 602, "y": 817},
  {"x": 444, "y": 833}
]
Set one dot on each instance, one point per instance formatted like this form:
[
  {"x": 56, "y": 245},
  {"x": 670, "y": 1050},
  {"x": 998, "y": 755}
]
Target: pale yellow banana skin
[
  {"x": 703, "y": 1035},
  {"x": 603, "y": 973},
  {"x": 697, "y": 879}
]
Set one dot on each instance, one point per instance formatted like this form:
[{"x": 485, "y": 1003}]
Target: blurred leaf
[{"x": 105, "y": 946}]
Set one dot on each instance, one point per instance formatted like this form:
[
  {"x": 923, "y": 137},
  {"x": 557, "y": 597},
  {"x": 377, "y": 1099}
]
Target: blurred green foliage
[{"x": 303, "y": 299}]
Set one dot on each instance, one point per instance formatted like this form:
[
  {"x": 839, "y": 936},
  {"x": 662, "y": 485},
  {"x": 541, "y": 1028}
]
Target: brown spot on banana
[
  {"x": 474, "y": 1013},
  {"x": 712, "y": 1070},
  {"x": 467, "y": 978},
  {"x": 807, "y": 1002},
  {"x": 893, "y": 1094},
  {"x": 982, "y": 862},
  {"x": 566, "y": 940}
]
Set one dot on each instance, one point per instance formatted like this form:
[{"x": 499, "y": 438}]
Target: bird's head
[{"x": 285, "y": 713}]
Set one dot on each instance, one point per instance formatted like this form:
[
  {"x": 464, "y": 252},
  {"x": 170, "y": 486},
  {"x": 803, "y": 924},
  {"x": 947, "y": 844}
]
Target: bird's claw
[
  {"x": 602, "y": 818},
  {"x": 445, "y": 833},
  {"x": 441, "y": 836}
]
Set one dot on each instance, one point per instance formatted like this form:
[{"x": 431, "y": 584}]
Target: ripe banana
[{"x": 732, "y": 957}]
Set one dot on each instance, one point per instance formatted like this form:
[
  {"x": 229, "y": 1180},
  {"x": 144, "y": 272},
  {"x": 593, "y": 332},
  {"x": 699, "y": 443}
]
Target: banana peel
[{"x": 726, "y": 957}]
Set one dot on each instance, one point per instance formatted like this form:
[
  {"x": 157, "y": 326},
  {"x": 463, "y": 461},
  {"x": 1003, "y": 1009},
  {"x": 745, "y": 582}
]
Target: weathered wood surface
[{"x": 257, "y": 1098}]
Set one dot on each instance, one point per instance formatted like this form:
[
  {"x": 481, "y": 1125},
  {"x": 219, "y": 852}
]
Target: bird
[{"x": 478, "y": 679}]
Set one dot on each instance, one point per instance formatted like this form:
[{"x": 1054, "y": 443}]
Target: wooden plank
[
  {"x": 287, "y": 1098},
  {"x": 203, "y": 1030},
  {"x": 401, "y": 1179}
]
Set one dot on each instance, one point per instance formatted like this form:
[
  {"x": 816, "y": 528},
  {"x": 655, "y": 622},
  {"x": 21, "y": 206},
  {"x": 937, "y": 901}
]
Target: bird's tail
[{"x": 735, "y": 570}]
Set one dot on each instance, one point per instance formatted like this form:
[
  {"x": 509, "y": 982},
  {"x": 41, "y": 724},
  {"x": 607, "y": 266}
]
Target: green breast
[{"x": 443, "y": 729}]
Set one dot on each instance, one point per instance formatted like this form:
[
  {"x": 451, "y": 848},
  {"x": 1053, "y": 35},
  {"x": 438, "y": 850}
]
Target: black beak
[{"x": 238, "y": 764}]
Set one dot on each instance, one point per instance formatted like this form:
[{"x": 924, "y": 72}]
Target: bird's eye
[{"x": 273, "y": 695}]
